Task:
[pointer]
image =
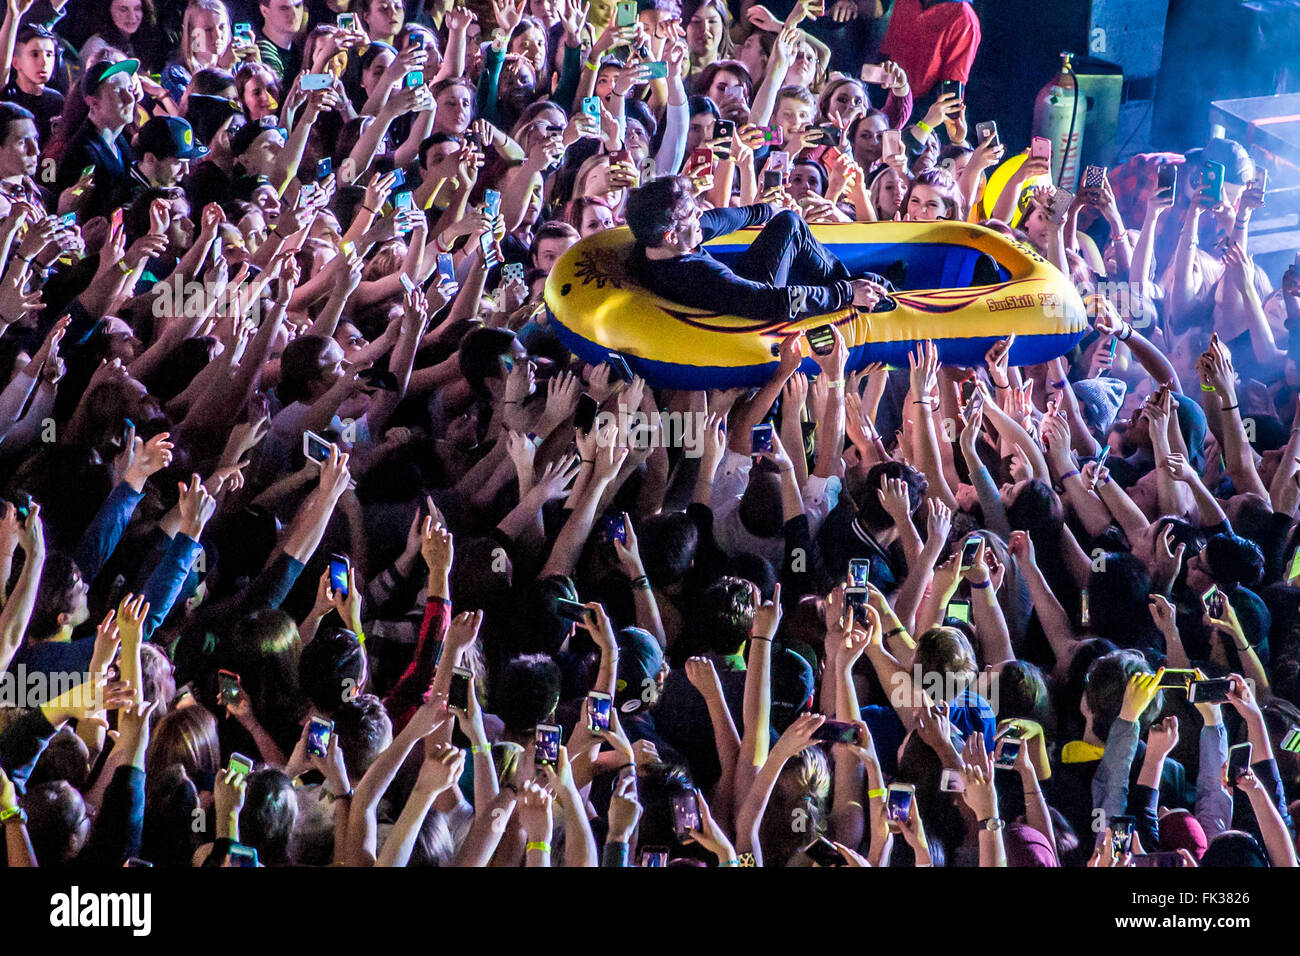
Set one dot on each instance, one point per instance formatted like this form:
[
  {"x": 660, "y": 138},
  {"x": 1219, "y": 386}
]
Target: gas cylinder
[{"x": 1059, "y": 115}]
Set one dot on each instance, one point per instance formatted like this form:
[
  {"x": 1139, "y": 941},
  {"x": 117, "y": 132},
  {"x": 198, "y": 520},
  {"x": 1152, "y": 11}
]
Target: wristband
[
  {"x": 1005, "y": 388},
  {"x": 898, "y": 630},
  {"x": 587, "y": 461},
  {"x": 373, "y": 212},
  {"x": 1228, "y": 408},
  {"x": 594, "y": 67},
  {"x": 756, "y": 637},
  {"x": 980, "y": 584},
  {"x": 641, "y": 584},
  {"x": 14, "y": 815},
  {"x": 479, "y": 750},
  {"x": 1207, "y": 388},
  {"x": 1069, "y": 474},
  {"x": 126, "y": 270},
  {"x": 509, "y": 403},
  {"x": 924, "y": 127},
  {"x": 877, "y": 794},
  {"x": 1061, "y": 384},
  {"x": 923, "y": 401},
  {"x": 838, "y": 383},
  {"x": 541, "y": 845},
  {"x": 735, "y": 862},
  {"x": 1127, "y": 328}
]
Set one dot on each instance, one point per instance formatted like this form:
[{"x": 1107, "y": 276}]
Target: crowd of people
[{"x": 318, "y": 547}]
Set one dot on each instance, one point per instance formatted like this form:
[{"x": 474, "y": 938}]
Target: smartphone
[
  {"x": 241, "y": 855},
  {"x": 874, "y": 73},
  {"x": 724, "y": 129},
  {"x": 324, "y": 167},
  {"x": 1094, "y": 177},
  {"x": 657, "y": 69},
  {"x": 591, "y": 106},
  {"x": 1167, "y": 178},
  {"x": 620, "y": 366},
  {"x": 184, "y": 697},
  {"x": 415, "y": 40},
  {"x": 856, "y": 600},
  {"x": 229, "y": 689},
  {"x": 446, "y": 267},
  {"x": 1291, "y": 741},
  {"x": 779, "y": 160},
  {"x": 346, "y": 21},
  {"x": 701, "y": 159},
  {"x": 772, "y": 180},
  {"x": 68, "y": 220},
  {"x": 512, "y": 271},
  {"x": 1121, "y": 830},
  {"x": 836, "y": 732},
  {"x": 773, "y": 136},
  {"x": 1212, "y": 691},
  {"x": 951, "y": 781},
  {"x": 625, "y": 13},
  {"x": 115, "y": 223},
  {"x": 319, "y": 731},
  {"x": 487, "y": 245},
  {"x": 952, "y": 86},
  {"x": 1085, "y": 613},
  {"x": 686, "y": 813},
  {"x": 316, "y": 81},
  {"x": 1212, "y": 180},
  {"x": 22, "y": 504},
  {"x": 599, "y": 705},
  {"x": 1261, "y": 180},
  {"x": 958, "y": 609},
  {"x": 821, "y": 340},
  {"x": 1175, "y": 679},
  {"x": 547, "y": 738},
  {"x": 612, "y": 529},
  {"x": 1040, "y": 148},
  {"x": 413, "y": 79},
  {"x": 402, "y": 200},
  {"x": 970, "y": 550},
  {"x": 399, "y": 177},
  {"x": 458, "y": 693},
  {"x": 859, "y": 571},
  {"x": 1060, "y": 207},
  {"x": 243, "y": 33},
  {"x": 316, "y": 449},
  {"x": 584, "y": 416},
  {"x": 1105, "y": 452},
  {"x": 407, "y": 284},
  {"x": 1006, "y": 751},
  {"x": 339, "y": 567},
  {"x": 824, "y": 853},
  {"x": 986, "y": 131},
  {"x": 491, "y": 203},
  {"x": 1238, "y": 762},
  {"x": 571, "y": 611},
  {"x": 620, "y": 156},
  {"x": 891, "y": 143},
  {"x": 240, "y": 764},
  {"x": 653, "y": 856},
  {"x": 1213, "y": 602},
  {"x": 898, "y": 804},
  {"x": 760, "y": 438}
]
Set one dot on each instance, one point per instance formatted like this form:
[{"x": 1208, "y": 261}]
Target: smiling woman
[{"x": 126, "y": 25}]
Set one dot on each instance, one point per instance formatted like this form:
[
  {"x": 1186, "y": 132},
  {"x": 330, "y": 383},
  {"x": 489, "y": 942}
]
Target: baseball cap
[
  {"x": 207, "y": 114},
  {"x": 242, "y": 140},
  {"x": 167, "y": 136},
  {"x": 640, "y": 659},
  {"x": 97, "y": 74}
]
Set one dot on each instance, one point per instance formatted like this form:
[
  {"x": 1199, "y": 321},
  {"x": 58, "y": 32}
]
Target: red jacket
[{"x": 938, "y": 43}]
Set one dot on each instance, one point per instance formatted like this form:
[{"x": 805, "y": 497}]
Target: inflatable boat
[{"x": 596, "y": 309}]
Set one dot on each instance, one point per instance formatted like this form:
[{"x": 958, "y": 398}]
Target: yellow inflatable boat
[{"x": 597, "y": 309}]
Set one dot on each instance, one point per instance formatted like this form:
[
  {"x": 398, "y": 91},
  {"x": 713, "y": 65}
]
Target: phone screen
[
  {"x": 458, "y": 693},
  {"x": 824, "y": 853},
  {"x": 571, "y": 610},
  {"x": 339, "y": 574},
  {"x": 1238, "y": 761},
  {"x": 960, "y": 610},
  {"x": 837, "y": 732},
  {"x": 315, "y": 447},
  {"x": 760, "y": 438},
  {"x": 686, "y": 813},
  {"x": 859, "y": 571},
  {"x": 547, "y": 737},
  {"x": 229, "y": 687},
  {"x": 240, "y": 764},
  {"x": 821, "y": 339},
  {"x": 899, "y": 805},
  {"x": 318, "y": 736},
  {"x": 969, "y": 550},
  {"x": 584, "y": 416},
  {"x": 598, "y": 709},
  {"x": 613, "y": 529}
]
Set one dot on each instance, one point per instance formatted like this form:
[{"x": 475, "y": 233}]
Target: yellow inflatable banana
[{"x": 597, "y": 309}]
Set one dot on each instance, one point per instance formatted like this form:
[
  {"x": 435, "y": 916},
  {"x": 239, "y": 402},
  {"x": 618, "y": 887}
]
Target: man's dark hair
[
  {"x": 269, "y": 814},
  {"x": 363, "y": 728},
  {"x": 871, "y": 511},
  {"x": 668, "y": 542},
  {"x": 723, "y": 616},
  {"x": 11, "y": 113},
  {"x": 432, "y": 140},
  {"x": 555, "y": 229},
  {"x": 526, "y": 693},
  {"x": 54, "y": 595},
  {"x": 479, "y": 356},
  {"x": 1108, "y": 677},
  {"x": 656, "y": 207},
  {"x": 1233, "y": 559},
  {"x": 331, "y": 669}
]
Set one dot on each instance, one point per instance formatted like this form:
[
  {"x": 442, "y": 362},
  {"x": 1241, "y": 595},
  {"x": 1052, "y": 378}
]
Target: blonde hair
[{"x": 192, "y": 12}]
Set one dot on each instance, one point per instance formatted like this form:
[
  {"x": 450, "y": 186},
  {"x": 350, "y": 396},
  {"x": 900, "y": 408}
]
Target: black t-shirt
[{"x": 44, "y": 105}]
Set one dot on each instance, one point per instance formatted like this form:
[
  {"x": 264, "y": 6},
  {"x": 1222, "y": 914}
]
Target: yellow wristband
[
  {"x": 876, "y": 794},
  {"x": 538, "y": 845},
  {"x": 126, "y": 270},
  {"x": 924, "y": 127}
]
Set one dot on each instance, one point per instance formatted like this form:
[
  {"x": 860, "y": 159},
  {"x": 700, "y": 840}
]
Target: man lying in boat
[{"x": 784, "y": 274}]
